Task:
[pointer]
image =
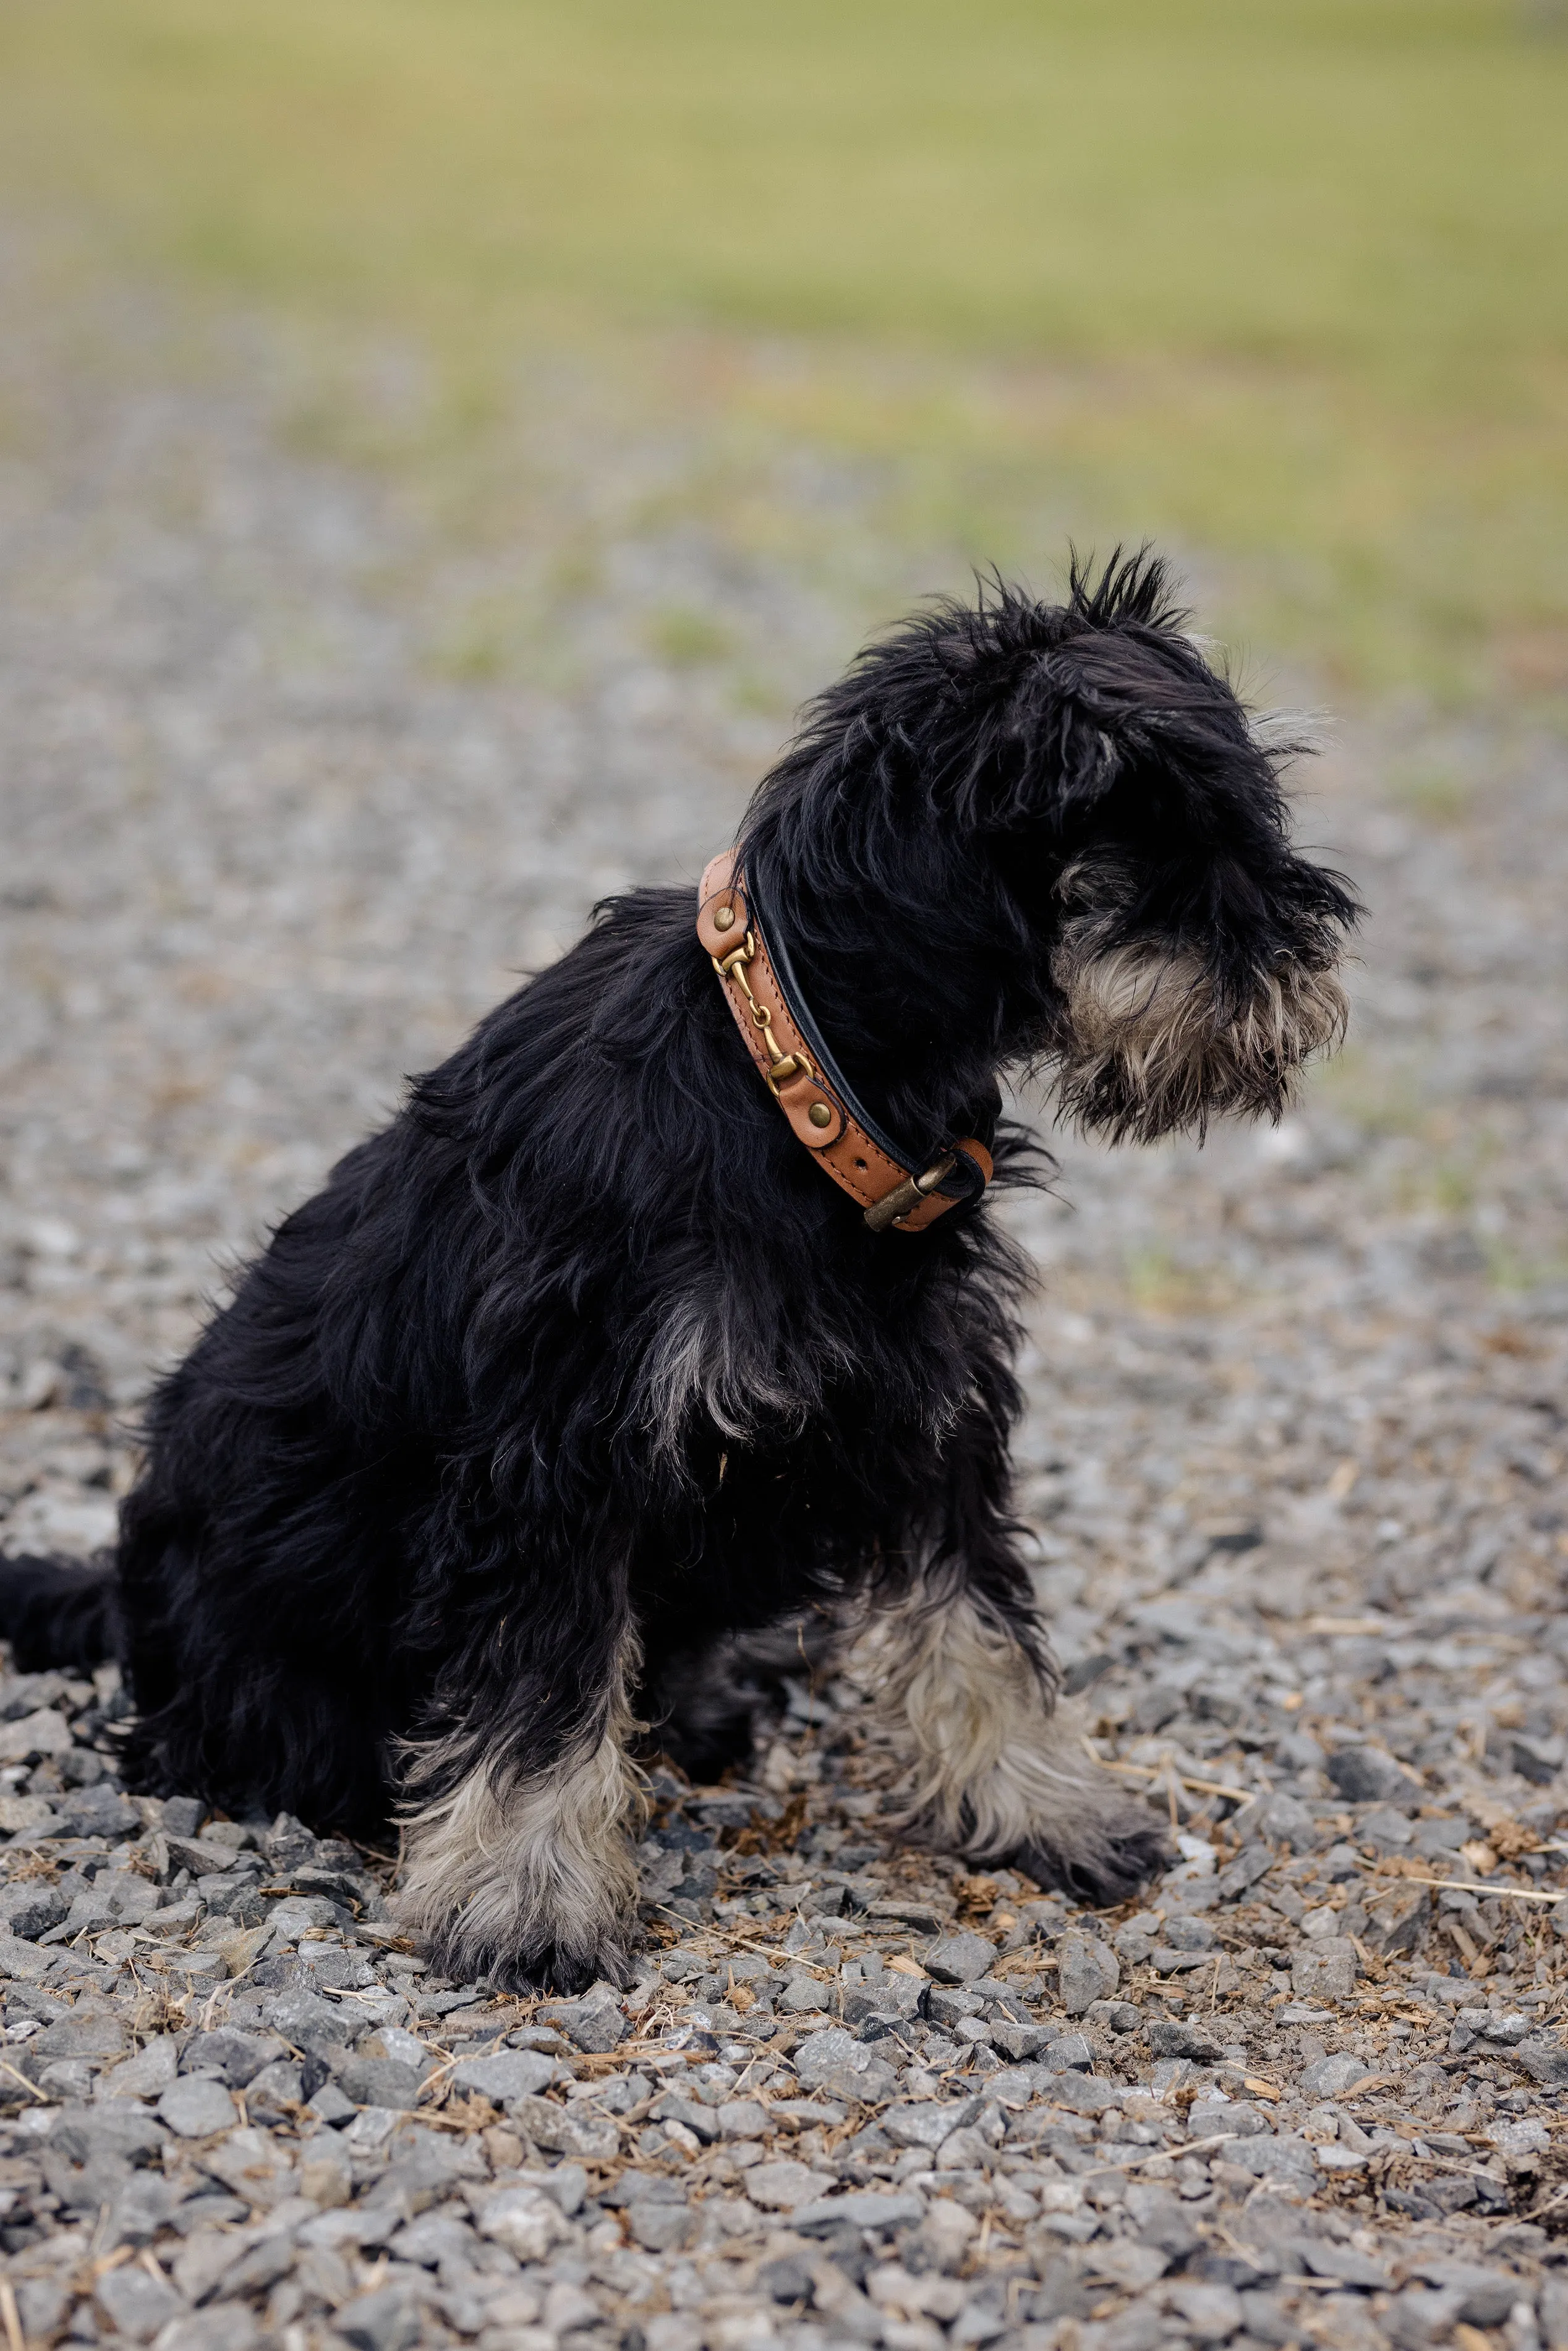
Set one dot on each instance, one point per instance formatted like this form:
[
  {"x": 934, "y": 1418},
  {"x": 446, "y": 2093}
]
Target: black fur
[
  {"x": 56, "y": 1615},
  {"x": 424, "y": 1475}
]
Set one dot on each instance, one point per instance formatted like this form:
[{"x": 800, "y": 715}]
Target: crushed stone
[{"x": 1294, "y": 1462}]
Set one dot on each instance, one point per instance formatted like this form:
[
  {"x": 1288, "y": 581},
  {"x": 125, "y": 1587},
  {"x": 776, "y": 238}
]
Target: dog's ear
[
  {"x": 1061, "y": 702},
  {"x": 992, "y": 717},
  {"x": 1070, "y": 752}
]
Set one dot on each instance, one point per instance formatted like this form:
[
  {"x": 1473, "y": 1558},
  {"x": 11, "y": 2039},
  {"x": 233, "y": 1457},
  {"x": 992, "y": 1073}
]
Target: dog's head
[{"x": 1070, "y": 840}]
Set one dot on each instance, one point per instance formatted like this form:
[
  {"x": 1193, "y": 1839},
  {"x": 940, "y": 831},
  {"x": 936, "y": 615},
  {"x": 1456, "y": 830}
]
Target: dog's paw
[
  {"x": 562, "y": 1968},
  {"x": 1099, "y": 1860},
  {"x": 563, "y": 1972}
]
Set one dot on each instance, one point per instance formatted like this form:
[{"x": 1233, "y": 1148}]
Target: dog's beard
[{"x": 1154, "y": 1047}]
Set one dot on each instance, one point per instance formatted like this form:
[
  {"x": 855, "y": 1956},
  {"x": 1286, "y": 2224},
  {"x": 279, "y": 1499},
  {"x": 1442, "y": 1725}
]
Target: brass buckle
[
  {"x": 909, "y": 1194},
  {"x": 780, "y": 1065}
]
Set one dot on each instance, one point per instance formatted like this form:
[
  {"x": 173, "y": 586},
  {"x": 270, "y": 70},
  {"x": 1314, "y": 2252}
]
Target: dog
[{"x": 670, "y": 1308}]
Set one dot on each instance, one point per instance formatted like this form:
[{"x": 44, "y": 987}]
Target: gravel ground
[{"x": 1294, "y": 1458}]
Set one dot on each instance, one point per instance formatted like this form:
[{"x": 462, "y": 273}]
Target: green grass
[
  {"x": 1282, "y": 280},
  {"x": 687, "y": 640}
]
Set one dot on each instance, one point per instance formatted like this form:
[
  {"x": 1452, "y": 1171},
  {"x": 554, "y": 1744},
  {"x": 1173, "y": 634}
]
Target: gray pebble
[
  {"x": 509, "y": 2074},
  {"x": 197, "y": 2107},
  {"x": 1366, "y": 1774},
  {"x": 138, "y": 2305},
  {"x": 387, "y": 2321},
  {"x": 1326, "y": 1971},
  {"x": 958, "y": 1958},
  {"x": 1087, "y": 1970},
  {"x": 780, "y": 2186},
  {"x": 229, "y": 2326}
]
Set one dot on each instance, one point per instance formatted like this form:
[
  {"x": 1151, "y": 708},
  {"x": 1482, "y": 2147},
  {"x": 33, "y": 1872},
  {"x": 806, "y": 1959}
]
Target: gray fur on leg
[{"x": 999, "y": 1769}]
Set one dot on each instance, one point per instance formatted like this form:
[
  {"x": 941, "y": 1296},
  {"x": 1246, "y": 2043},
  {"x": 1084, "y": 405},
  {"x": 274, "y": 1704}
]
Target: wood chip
[
  {"x": 1503, "y": 1892},
  {"x": 1183, "y": 1780}
]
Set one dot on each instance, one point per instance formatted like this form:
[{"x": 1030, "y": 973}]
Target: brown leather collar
[{"x": 892, "y": 1195}]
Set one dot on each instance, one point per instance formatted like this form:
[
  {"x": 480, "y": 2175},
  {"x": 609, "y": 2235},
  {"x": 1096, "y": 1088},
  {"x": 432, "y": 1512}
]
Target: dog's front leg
[
  {"x": 525, "y": 1870},
  {"x": 997, "y": 1766},
  {"x": 960, "y": 1668}
]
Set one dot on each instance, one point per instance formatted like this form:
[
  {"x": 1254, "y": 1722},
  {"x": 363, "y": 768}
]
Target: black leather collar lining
[{"x": 964, "y": 1180}]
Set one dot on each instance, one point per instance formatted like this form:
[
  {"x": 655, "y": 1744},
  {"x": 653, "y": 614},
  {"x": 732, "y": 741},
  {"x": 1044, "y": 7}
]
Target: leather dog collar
[{"x": 814, "y": 1098}]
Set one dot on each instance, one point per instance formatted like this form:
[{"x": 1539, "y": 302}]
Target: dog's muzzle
[{"x": 1151, "y": 1046}]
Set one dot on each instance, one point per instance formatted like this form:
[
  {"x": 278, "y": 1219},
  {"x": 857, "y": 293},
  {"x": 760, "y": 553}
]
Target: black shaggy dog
[{"x": 583, "y": 1367}]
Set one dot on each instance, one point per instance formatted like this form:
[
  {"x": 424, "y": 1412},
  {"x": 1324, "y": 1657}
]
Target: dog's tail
[{"x": 59, "y": 1612}]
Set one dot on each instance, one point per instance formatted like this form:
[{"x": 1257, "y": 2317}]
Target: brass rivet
[
  {"x": 724, "y": 916},
  {"x": 820, "y": 1114}
]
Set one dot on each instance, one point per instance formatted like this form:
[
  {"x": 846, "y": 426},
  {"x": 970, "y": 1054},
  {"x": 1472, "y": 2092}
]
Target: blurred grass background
[{"x": 892, "y": 289}]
